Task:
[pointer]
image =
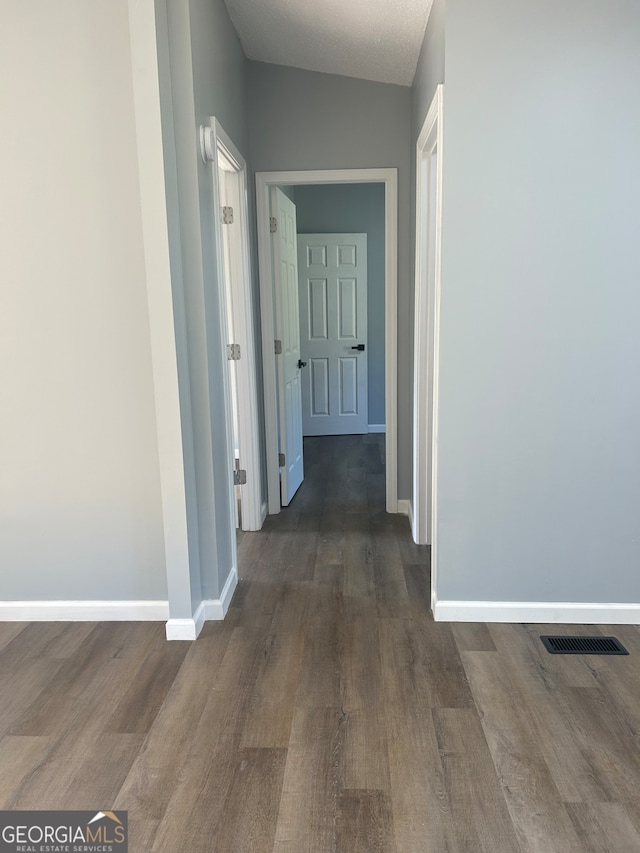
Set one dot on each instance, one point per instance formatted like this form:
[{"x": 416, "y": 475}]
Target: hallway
[{"x": 328, "y": 712}]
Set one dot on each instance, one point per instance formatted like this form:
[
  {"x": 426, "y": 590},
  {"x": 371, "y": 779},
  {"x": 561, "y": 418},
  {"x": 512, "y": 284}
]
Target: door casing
[
  {"x": 264, "y": 181},
  {"x": 227, "y": 158},
  {"x": 427, "y": 330}
]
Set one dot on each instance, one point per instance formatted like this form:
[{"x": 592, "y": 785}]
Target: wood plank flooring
[{"x": 328, "y": 712}]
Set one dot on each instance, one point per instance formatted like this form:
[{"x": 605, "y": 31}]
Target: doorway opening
[
  {"x": 341, "y": 250},
  {"x": 272, "y": 319}
]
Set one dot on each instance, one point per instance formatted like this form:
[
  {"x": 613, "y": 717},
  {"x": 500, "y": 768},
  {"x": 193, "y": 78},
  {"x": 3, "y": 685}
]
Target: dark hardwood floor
[{"x": 328, "y": 712}]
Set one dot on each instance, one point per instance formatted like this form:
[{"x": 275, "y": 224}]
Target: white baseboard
[
  {"x": 122, "y": 611},
  {"x": 209, "y": 609},
  {"x": 199, "y": 617},
  {"x": 216, "y": 608},
  {"x": 84, "y": 611},
  {"x": 377, "y": 427},
  {"x": 405, "y": 507},
  {"x": 548, "y": 612},
  {"x": 181, "y": 629}
]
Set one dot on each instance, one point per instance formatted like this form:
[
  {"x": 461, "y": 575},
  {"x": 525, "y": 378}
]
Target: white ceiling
[{"x": 372, "y": 39}]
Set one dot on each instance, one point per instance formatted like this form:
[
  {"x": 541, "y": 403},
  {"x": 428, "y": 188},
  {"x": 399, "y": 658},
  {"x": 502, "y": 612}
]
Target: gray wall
[
  {"x": 203, "y": 68},
  {"x": 539, "y": 462},
  {"x": 80, "y": 507},
  {"x": 430, "y": 69},
  {"x": 219, "y": 86},
  {"x": 355, "y": 208},
  {"x": 304, "y": 120}
]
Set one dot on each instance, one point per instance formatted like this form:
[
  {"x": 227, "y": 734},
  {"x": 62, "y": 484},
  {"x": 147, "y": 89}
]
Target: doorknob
[
  {"x": 301, "y": 363},
  {"x": 359, "y": 347}
]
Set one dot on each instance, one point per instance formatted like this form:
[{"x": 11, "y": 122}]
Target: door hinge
[
  {"x": 281, "y": 460},
  {"x": 239, "y": 477},
  {"x": 233, "y": 352},
  {"x": 273, "y": 224},
  {"x": 226, "y": 215},
  {"x": 277, "y": 346}
]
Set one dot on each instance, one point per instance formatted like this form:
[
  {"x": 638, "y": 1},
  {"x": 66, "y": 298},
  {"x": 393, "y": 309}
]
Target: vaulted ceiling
[{"x": 372, "y": 39}]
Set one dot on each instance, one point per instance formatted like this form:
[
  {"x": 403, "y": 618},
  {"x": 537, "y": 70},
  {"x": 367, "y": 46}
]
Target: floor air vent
[{"x": 584, "y": 646}]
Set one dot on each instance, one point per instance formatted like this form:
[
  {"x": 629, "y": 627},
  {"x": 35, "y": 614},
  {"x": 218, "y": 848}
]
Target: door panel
[
  {"x": 348, "y": 386},
  {"x": 319, "y": 386},
  {"x": 347, "y": 309},
  {"x": 332, "y": 271},
  {"x": 287, "y": 331},
  {"x": 318, "y": 321}
]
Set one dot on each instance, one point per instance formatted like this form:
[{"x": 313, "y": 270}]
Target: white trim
[
  {"x": 84, "y": 611},
  {"x": 265, "y": 180},
  {"x": 199, "y": 617},
  {"x": 378, "y": 428},
  {"x": 391, "y": 337},
  {"x": 243, "y": 312},
  {"x": 427, "y": 335},
  {"x": 405, "y": 507},
  {"x": 549, "y": 612},
  {"x": 209, "y": 610},
  {"x": 264, "y": 511},
  {"x": 181, "y": 629},
  {"x": 216, "y": 608},
  {"x": 186, "y": 629},
  {"x": 267, "y": 316}
]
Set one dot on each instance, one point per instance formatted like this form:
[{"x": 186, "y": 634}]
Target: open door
[{"x": 287, "y": 329}]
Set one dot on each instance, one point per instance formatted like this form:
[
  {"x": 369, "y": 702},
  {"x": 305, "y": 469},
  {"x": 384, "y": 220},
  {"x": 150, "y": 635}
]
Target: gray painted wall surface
[
  {"x": 304, "y": 120},
  {"x": 171, "y": 84},
  {"x": 80, "y": 506},
  {"x": 289, "y": 192},
  {"x": 355, "y": 208},
  {"x": 206, "y": 76},
  {"x": 430, "y": 69},
  {"x": 539, "y": 466},
  {"x": 219, "y": 71},
  {"x": 219, "y": 90}
]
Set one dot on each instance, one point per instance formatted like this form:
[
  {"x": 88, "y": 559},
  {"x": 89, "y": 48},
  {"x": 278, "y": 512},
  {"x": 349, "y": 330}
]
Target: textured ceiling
[{"x": 373, "y": 39}]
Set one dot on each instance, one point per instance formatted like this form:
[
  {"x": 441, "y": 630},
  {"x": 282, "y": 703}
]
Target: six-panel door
[{"x": 332, "y": 276}]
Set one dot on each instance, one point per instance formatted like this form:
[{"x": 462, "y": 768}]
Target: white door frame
[
  {"x": 265, "y": 180},
  {"x": 426, "y": 333},
  {"x": 217, "y": 147}
]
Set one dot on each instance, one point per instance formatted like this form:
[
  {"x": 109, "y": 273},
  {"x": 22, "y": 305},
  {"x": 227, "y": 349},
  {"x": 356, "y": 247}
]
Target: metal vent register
[{"x": 584, "y": 646}]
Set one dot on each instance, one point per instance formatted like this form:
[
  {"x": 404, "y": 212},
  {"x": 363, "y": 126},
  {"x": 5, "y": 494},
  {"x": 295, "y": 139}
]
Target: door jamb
[
  {"x": 426, "y": 345},
  {"x": 216, "y": 143},
  {"x": 265, "y": 180}
]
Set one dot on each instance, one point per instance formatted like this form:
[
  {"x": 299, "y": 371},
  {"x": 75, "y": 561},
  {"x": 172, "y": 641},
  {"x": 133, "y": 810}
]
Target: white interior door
[
  {"x": 285, "y": 260},
  {"x": 229, "y": 279},
  {"x": 333, "y": 333}
]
